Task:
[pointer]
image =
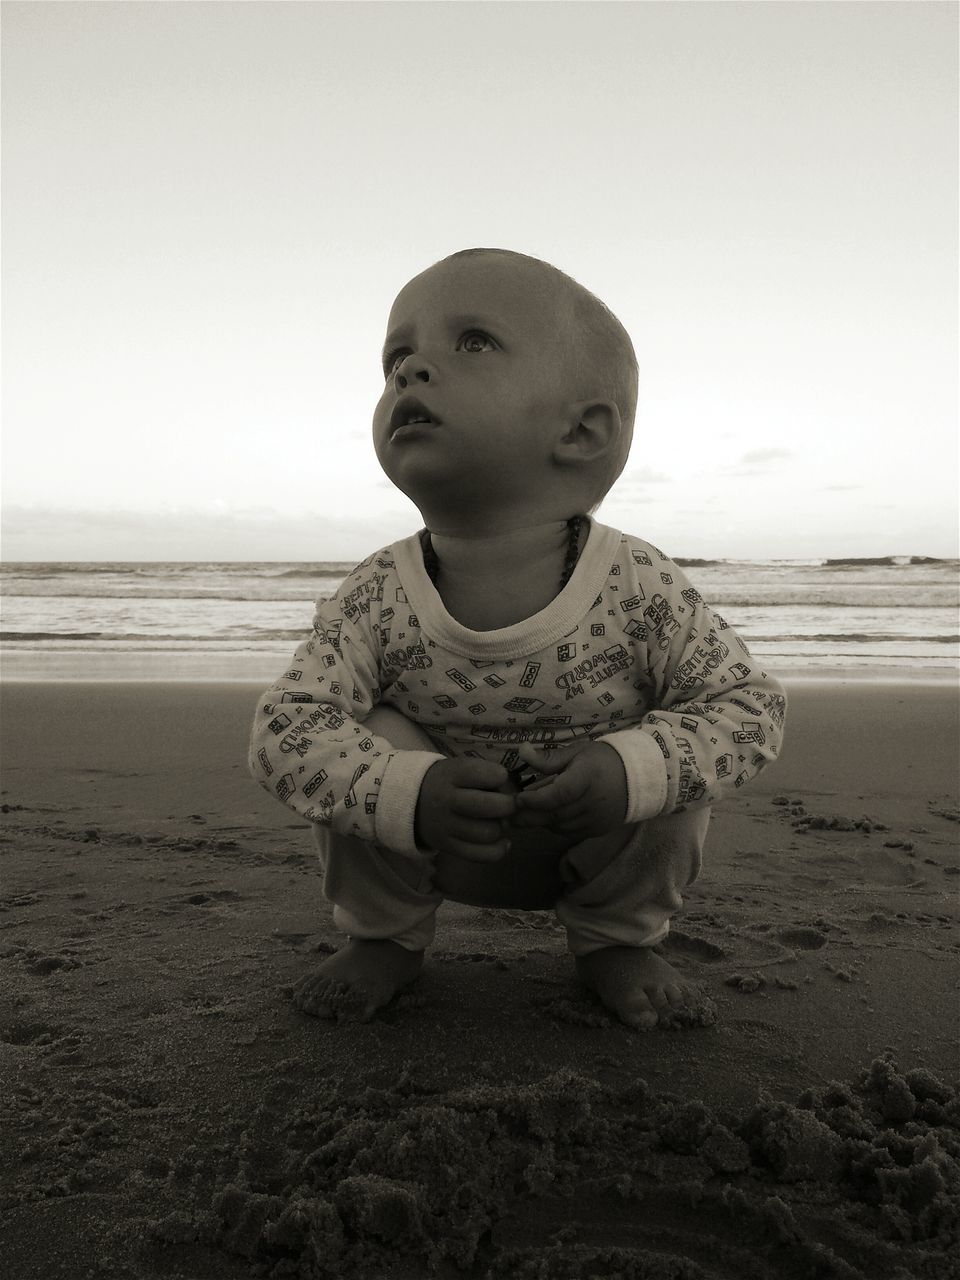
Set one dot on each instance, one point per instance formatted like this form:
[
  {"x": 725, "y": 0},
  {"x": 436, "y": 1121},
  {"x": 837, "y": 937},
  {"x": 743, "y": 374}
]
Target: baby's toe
[
  {"x": 315, "y": 996},
  {"x": 675, "y": 995},
  {"x": 637, "y": 1010},
  {"x": 308, "y": 985}
]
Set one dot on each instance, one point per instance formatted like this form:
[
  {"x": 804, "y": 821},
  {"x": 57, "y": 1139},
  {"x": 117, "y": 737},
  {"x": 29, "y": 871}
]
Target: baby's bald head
[{"x": 597, "y": 351}]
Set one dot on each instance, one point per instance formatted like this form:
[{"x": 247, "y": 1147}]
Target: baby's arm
[
  {"x": 717, "y": 717},
  {"x": 310, "y": 747},
  {"x": 718, "y": 721}
]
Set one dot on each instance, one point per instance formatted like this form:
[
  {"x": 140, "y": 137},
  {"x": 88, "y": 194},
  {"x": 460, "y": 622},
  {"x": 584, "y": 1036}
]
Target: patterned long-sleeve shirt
[{"x": 628, "y": 652}]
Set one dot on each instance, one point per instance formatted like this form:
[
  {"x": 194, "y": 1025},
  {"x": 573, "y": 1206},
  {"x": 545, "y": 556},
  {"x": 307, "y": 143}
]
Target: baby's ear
[{"x": 592, "y": 433}]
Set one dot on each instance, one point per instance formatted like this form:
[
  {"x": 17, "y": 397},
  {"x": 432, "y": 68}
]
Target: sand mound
[{"x": 853, "y": 1181}]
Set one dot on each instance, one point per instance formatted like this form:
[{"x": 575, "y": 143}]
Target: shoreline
[
  {"x": 925, "y": 680},
  {"x": 180, "y": 672},
  {"x": 789, "y": 681}
]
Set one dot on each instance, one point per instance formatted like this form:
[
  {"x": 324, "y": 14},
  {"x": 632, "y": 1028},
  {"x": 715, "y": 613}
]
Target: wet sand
[{"x": 166, "y": 1112}]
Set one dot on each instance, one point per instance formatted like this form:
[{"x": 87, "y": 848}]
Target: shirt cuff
[
  {"x": 397, "y": 803},
  {"x": 646, "y": 772}
]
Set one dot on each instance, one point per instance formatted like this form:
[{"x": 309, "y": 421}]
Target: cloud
[
  {"x": 35, "y": 533},
  {"x": 758, "y": 462},
  {"x": 643, "y": 475},
  {"x": 764, "y": 457}
]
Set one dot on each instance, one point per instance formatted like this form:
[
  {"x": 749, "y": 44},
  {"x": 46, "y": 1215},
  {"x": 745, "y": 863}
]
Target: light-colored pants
[{"x": 620, "y": 889}]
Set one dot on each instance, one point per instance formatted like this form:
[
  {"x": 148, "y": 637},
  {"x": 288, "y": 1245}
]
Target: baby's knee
[
  {"x": 683, "y": 830},
  {"x": 589, "y": 858},
  {"x": 669, "y": 845}
]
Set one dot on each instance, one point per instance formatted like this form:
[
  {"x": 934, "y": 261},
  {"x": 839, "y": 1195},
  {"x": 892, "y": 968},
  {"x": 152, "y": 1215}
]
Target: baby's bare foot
[
  {"x": 642, "y": 989},
  {"x": 356, "y": 981}
]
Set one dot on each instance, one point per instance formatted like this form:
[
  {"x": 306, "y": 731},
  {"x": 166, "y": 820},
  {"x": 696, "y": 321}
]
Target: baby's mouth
[{"x": 409, "y": 411}]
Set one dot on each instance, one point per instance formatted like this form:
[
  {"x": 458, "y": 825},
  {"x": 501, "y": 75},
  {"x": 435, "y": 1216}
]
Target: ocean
[{"x": 886, "y": 618}]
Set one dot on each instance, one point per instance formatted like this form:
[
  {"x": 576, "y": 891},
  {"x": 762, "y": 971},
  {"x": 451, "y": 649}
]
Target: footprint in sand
[
  {"x": 803, "y": 939},
  {"x": 689, "y": 947},
  {"x": 887, "y": 867},
  {"x": 293, "y": 939},
  {"x": 20, "y": 900},
  {"x": 22, "y": 1033},
  {"x": 518, "y": 919},
  {"x": 41, "y": 963},
  {"x": 745, "y": 947},
  {"x": 468, "y": 957},
  {"x": 212, "y": 897}
]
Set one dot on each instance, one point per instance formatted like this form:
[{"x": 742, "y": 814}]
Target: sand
[{"x": 165, "y": 1111}]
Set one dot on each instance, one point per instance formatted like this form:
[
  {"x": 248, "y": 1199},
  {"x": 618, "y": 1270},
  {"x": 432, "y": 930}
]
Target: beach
[
  {"x": 167, "y": 1112},
  {"x": 889, "y": 617}
]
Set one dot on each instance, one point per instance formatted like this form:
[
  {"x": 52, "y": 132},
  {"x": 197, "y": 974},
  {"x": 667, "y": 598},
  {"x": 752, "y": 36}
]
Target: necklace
[{"x": 574, "y": 526}]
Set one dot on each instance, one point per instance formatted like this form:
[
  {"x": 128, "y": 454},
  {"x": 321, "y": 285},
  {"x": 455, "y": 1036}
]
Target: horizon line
[{"x": 882, "y": 558}]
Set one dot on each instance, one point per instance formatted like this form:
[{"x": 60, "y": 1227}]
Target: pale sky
[{"x": 208, "y": 209}]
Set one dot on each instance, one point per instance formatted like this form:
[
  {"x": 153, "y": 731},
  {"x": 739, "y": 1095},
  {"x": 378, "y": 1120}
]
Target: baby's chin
[{"x": 433, "y": 480}]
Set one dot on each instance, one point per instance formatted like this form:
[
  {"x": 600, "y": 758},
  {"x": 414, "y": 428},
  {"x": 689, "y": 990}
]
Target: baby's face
[{"x": 477, "y": 346}]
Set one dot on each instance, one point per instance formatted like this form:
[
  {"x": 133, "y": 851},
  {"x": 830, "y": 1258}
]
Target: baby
[{"x": 517, "y": 706}]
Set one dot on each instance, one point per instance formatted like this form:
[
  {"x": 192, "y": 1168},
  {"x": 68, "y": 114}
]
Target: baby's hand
[
  {"x": 584, "y": 794},
  {"x": 462, "y": 807}
]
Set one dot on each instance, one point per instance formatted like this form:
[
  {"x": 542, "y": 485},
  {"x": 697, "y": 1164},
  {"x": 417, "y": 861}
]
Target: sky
[{"x": 208, "y": 209}]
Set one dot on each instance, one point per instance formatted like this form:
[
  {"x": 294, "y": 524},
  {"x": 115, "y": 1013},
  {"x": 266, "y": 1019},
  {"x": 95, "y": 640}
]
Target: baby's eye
[
  {"x": 391, "y": 362},
  {"x": 475, "y": 336}
]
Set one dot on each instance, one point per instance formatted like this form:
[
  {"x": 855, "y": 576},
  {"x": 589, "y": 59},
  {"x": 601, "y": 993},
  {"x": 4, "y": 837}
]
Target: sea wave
[
  {"x": 174, "y": 593},
  {"x": 264, "y": 635},
  {"x": 266, "y": 568},
  {"x": 848, "y": 637},
  {"x": 851, "y": 610},
  {"x": 314, "y": 571},
  {"x": 269, "y": 635},
  {"x": 53, "y": 635},
  {"x": 899, "y": 561},
  {"x": 306, "y": 568},
  {"x": 862, "y": 595},
  {"x": 944, "y": 599}
]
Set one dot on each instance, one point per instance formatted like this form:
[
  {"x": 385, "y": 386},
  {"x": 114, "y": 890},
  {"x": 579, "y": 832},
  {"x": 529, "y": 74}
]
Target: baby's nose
[{"x": 410, "y": 370}]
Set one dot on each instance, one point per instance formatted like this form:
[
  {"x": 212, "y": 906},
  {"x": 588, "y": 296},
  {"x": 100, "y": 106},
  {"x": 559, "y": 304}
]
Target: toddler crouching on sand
[{"x": 517, "y": 706}]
